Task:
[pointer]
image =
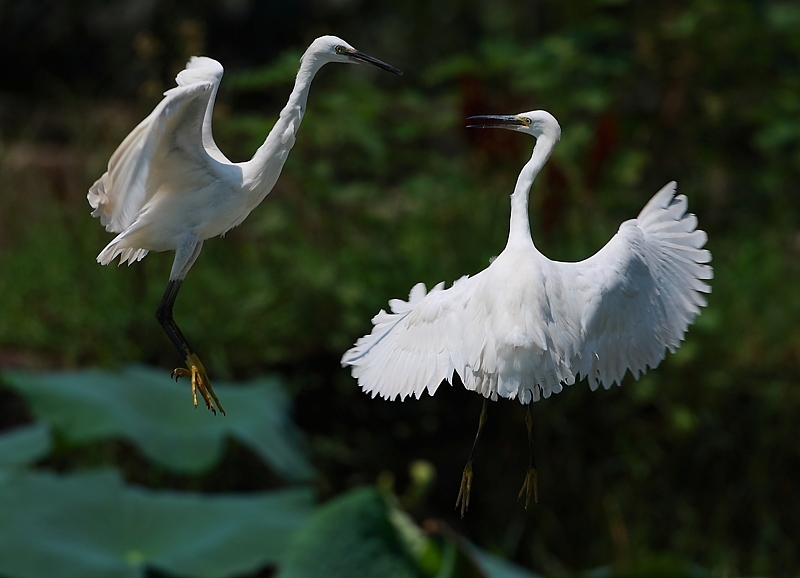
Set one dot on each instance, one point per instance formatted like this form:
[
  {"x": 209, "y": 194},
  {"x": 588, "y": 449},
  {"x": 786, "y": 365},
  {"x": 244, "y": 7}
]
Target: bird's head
[
  {"x": 333, "y": 49},
  {"x": 536, "y": 122}
]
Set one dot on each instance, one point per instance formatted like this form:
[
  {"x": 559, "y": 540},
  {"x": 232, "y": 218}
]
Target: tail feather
[{"x": 126, "y": 254}]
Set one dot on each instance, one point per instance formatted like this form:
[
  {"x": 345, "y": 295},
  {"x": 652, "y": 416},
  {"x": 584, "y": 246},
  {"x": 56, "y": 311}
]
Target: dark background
[{"x": 697, "y": 461}]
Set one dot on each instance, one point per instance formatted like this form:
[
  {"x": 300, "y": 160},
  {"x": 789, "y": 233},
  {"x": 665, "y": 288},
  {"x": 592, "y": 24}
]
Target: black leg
[
  {"x": 530, "y": 485},
  {"x": 466, "y": 477},
  {"x": 164, "y": 316},
  {"x": 194, "y": 368}
]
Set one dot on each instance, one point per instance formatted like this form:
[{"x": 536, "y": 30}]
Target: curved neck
[
  {"x": 520, "y": 228},
  {"x": 262, "y": 171}
]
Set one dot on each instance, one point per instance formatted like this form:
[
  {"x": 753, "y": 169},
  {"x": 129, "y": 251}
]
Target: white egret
[
  {"x": 169, "y": 188},
  {"x": 525, "y": 326}
]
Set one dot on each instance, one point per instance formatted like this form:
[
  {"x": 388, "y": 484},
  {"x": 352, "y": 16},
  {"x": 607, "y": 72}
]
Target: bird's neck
[
  {"x": 520, "y": 228},
  {"x": 262, "y": 171}
]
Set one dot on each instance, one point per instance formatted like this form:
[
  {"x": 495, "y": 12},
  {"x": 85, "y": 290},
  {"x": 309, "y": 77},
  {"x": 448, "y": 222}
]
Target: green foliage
[
  {"x": 350, "y": 536},
  {"x": 144, "y": 407},
  {"x": 23, "y": 446},
  {"x": 91, "y": 525},
  {"x": 362, "y": 534}
]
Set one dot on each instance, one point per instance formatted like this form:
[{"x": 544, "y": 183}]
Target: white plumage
[
  {"x": 167, "y": 168},
  {"x": 168, "y": 187},
  {"x": 525, "y": 326}
]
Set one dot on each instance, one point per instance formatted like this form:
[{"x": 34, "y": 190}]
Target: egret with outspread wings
[
  {"x": 525, "y": 326},
  {"x": 169, "y": 188}
]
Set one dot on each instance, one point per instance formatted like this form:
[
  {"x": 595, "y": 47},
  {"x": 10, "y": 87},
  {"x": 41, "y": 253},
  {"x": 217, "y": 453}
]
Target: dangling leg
[
  {"x": 530, "y": 485},
  {"x": 194, "y": 367},
  {"x": 466, "y": 477}
]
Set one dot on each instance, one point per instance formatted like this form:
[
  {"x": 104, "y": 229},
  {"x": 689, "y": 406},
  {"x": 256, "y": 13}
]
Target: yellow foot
[
  {"x": 200, "y": 382},
  {"x": 466, "y": 488},
  {"x": 530, "y": 487}
]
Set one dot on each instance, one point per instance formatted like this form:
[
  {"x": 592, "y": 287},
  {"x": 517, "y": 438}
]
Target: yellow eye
[
  {"x": 339, "y": 49},
  {"x": 526, "y": 120}
]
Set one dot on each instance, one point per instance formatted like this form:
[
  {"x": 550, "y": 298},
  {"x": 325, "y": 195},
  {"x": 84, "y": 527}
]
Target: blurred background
[{"x": 692, "y": 470}]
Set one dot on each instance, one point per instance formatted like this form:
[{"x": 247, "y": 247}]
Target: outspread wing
[
  {"x": 416, "y": 346},
  {"x": 618, "y": 311},
  {"x": 638, "y": 295},
  {"x": 181, "y": 121}
]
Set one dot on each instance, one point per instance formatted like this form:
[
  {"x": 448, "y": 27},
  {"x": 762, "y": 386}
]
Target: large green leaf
[
  {"x": 496, "y": 567},
  {"x": 24, "y": 445},
  {"x": 361, "y": 534},
  {"x": 92, "y": 525},
  {"x": 143, "y": 406},
  {"x": 350, "y": 536}
]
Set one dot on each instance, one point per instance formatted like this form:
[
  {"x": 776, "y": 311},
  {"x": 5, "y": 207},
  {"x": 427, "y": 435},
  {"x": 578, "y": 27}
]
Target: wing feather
[
  {"x": 415, "y": 347},
  {"x": 178, "y": 121},
  {"x": 527, "y": 325},
  {"x": 648, "y": 284}
]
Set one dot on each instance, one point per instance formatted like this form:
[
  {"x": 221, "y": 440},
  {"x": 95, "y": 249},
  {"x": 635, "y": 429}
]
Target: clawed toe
[
  {"x": 199, "y": 382},
  {"x": 465, "y": 489},
  {"x": 179, "y": 372},
  {"x": 530, "y": 487}
]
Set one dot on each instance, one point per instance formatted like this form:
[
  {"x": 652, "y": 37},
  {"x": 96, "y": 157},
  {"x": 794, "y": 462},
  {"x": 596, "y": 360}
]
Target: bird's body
[
  {"x": 526, "y": 325},
  {"x": 168, "y": 187}
]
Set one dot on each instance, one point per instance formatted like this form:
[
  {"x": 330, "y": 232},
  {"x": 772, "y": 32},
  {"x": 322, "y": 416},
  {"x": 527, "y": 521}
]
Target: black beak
[
  {"x": 506, "y": 121},
  {"x": 359, "y": 56}
]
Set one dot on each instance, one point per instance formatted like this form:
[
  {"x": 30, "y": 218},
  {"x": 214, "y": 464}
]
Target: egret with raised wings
[
  {"x": 525, "y": 326},
  {"x": 169, "y": 188}
]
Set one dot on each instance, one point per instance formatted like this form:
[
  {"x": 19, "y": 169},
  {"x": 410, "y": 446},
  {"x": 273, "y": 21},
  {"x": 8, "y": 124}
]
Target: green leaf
[
  {"x": 24, "y": 445},
  {"x": 350, "y": 536},
  {"x": 92, "y": 525},
  {"x": 449, "y": 555},
  {"x": 496, "y": 567},
  {"x": 143, "y": 406}
]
